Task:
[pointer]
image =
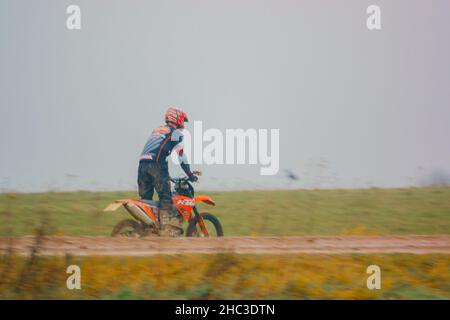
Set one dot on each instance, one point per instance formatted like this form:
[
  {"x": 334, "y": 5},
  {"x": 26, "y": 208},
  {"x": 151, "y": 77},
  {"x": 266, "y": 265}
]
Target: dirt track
[{"x": 84, "y": 246}]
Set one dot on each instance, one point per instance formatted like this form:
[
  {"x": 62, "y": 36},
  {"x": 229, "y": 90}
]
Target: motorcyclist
[{"x": 153, "y": 173}]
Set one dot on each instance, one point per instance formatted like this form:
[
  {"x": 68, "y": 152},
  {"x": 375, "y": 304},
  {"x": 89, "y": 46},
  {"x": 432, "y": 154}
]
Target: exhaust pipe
[{"x": 138, "y": 213}]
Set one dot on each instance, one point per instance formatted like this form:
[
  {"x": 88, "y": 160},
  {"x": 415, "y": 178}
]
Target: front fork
[{"x": 201, "y": 223}]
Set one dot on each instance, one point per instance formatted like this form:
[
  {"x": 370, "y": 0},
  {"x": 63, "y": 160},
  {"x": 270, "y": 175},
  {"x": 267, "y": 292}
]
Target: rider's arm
[
  {"x": 184, "y": 162},
  {"x": 182, "y": 157}
]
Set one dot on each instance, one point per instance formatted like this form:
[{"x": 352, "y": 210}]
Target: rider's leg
[
  {"x": 162, "y": 186},
  {"x": 145, "y": 181},
  {"x": 164, "y": 213}
]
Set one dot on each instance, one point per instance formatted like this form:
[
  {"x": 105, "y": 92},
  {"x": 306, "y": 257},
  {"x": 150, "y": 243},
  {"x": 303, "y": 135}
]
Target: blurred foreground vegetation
[
  {"x": 227, "y": 276},
  {"x": 296, "y": 212}
]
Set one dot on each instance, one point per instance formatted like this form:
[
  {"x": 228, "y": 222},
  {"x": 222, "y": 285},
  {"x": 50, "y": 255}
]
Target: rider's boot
[{"x": 170, "y": 224}]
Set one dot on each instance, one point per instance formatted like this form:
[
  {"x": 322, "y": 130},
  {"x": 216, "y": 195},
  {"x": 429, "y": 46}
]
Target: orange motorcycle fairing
[
  {"x": 204, "y": 199},
  {"x": 184, "y": 205}
]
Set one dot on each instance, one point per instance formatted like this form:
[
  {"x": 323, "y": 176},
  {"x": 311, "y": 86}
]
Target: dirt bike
[{"x": 146, "y": 219}]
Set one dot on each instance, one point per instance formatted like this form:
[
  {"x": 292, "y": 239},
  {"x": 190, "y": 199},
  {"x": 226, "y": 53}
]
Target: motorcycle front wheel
[{"x": 212, "y": 224}]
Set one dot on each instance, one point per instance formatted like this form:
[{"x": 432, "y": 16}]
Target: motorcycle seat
[{"x": 151, "y": 203}]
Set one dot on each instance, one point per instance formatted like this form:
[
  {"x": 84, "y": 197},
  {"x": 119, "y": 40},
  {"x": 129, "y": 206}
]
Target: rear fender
[{"x": 113, "y": 206}]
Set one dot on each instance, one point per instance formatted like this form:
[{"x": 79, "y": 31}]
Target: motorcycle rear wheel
[
  {"x": 128, "y": 229},
  {"x": 212, "y": 224}
]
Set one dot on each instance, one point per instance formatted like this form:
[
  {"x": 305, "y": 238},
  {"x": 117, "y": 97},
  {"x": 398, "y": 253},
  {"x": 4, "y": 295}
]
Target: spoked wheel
[
  {"x": 211, "y": 223},
  {"x": 128, "y": 229}
]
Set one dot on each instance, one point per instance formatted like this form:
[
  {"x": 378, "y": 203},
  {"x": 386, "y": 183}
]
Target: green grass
[{"x": 297, "y": 212}]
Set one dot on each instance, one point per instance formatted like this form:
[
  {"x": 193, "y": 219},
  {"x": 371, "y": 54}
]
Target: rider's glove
[{"x": 193, "y": 178}]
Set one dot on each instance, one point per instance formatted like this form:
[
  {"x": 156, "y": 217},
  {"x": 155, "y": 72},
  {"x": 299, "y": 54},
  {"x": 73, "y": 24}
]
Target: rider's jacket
[{"x": 160, "y": 144}]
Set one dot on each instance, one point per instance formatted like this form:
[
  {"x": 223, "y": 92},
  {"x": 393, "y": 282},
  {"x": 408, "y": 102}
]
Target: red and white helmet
[{"x": 176, "y": 116}]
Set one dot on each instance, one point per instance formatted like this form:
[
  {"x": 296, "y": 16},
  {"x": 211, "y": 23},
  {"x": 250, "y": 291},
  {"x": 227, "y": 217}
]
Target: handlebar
[
  {"x": 185, "y": 178},
  {"x": 182, "y": 179}
]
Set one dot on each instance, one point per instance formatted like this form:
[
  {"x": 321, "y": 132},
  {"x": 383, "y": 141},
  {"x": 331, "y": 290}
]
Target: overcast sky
[{"x": 355, "y": 108}]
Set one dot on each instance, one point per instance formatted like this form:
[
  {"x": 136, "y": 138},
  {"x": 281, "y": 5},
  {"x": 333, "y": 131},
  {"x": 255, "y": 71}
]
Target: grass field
[
  {"x": 298, "y": 212},
  {"x": 231, "y": 276},
  {"x": 227, "y": 276}
]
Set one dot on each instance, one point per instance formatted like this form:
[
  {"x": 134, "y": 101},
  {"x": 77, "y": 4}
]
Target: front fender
[{"x": 204, "y": 199}]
